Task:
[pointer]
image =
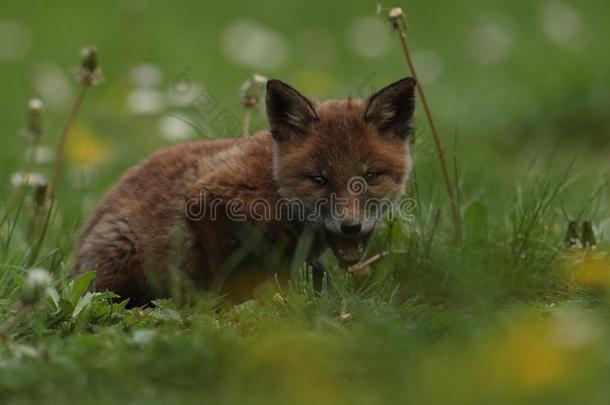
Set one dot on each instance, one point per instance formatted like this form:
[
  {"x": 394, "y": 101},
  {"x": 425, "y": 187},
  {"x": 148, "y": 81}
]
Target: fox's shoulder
[
  {"x": 194, "y": 161},
  {"x": 242, "y": 169},
  {"x": 169, "y": 176}
]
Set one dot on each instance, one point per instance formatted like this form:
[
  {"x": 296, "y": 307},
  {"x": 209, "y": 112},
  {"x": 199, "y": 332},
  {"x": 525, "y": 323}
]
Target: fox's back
[{"x": 142, "y": 218}]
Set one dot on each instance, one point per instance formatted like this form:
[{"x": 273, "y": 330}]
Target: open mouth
[{"x": 348, "y": 250}]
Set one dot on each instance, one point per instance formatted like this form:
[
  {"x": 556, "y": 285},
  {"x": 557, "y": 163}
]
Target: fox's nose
[{"x": 351, "y": 227}]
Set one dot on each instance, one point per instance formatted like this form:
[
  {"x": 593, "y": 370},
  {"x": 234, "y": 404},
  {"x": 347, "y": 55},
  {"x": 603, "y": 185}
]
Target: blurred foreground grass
[{"x": 520, "y": 91}]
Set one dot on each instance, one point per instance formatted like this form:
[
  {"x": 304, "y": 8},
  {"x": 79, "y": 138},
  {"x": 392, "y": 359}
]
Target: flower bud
[
  {"x": 33, "y": 129},
  {"x": 252, "y": 91},
  {"x": 89, "y": 58},
  {"x": 89, "y": 73},
  {"x": 572, "y": 238},
  {"x": 397, "y": 18},
  {"x": 40, "y": 193},
  {"x": 588, "y": 236}
]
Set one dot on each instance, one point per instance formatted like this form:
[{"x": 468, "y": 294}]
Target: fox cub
[{"x": 228, "y": 214}]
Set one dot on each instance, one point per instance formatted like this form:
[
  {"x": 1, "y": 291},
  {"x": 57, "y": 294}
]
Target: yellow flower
[
  {"x": 526, "y": 358},
  {"x": 588, "y": 269},
  {"x": 85, "y": 148},
  {"x": 537, "y": 353}
]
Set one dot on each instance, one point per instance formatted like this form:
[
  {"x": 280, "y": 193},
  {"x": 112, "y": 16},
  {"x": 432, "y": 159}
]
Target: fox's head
[{"x": 343, "y": 159}]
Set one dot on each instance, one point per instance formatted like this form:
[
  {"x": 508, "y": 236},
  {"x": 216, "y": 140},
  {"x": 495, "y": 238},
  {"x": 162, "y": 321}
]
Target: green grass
[{"x": 507, "y": 316}]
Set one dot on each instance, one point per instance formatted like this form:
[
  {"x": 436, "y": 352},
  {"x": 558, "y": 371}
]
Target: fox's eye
[
  {"x": 371, "y": 177},
  {"x": 318, "y": 180}
]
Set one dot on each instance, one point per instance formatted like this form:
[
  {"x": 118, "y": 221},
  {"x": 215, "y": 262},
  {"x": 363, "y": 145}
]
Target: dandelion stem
[
  {"x": 397, "y": 21},
  {"x": 64, "y": 136},
  {"x": 251, "y": 94},
  {"x": 246, "y": 122},
  {"x": 57, "y": 170}
]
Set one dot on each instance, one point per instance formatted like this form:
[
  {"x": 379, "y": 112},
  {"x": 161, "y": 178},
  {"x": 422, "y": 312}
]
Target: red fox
[{"x": 226, "y": 214}]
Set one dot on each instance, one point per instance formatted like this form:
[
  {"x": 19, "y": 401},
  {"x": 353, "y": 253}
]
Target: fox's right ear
[
  {"x": 289, "y": 112},
  {"x": 391, "y": 109}
]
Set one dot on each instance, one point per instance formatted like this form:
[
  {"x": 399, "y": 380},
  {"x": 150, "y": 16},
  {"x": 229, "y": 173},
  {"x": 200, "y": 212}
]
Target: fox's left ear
[
  {"x": 289, "y": 112},
  {"x": 391, "y": 109}
]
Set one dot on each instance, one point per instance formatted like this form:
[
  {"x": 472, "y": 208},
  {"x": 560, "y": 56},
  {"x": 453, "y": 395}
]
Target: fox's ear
[
  {"x": 289, "y": 112},
  {"x": 391, "y": 109}
]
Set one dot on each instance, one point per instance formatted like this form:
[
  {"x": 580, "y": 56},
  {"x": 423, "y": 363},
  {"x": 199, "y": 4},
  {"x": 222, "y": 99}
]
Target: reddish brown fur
[{"x": 140, "y": 235}]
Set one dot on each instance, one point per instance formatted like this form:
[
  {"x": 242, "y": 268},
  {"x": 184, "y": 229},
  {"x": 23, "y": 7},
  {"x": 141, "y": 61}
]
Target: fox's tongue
[{"x": 351, "y": 253}]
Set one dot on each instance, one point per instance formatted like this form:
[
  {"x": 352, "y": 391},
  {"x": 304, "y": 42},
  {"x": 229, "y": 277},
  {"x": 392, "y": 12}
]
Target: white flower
[
  {"x": 146, "y": 75},
  {"x": 39, "y": 279},
  {"x": 368, "y": 37},
  {"x": 21, "y": 179},
  {"x": 176, "y": 128},
  {"x": 145, "y": 101},
  {"x": 564, "y": 25},
  {"x": 142, "y": 337},
  {"x": 250, "y": 43}
]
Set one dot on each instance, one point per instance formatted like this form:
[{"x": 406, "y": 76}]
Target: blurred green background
[
  {"x": 504, "y": 78},
  {"x": 520, "y": 91}
]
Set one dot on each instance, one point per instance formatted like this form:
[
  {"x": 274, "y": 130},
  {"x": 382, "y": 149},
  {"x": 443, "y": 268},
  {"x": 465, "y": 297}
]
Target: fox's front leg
[{"x": 318, "y": 274}]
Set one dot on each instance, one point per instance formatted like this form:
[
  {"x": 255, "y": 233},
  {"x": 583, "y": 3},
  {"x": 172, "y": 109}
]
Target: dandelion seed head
[
  {"x": 252, "y": 91},
  {"x": 395, "y": 12},
  {"x": 35, "y": 105},
  {"x": 259, "y": 79}
]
